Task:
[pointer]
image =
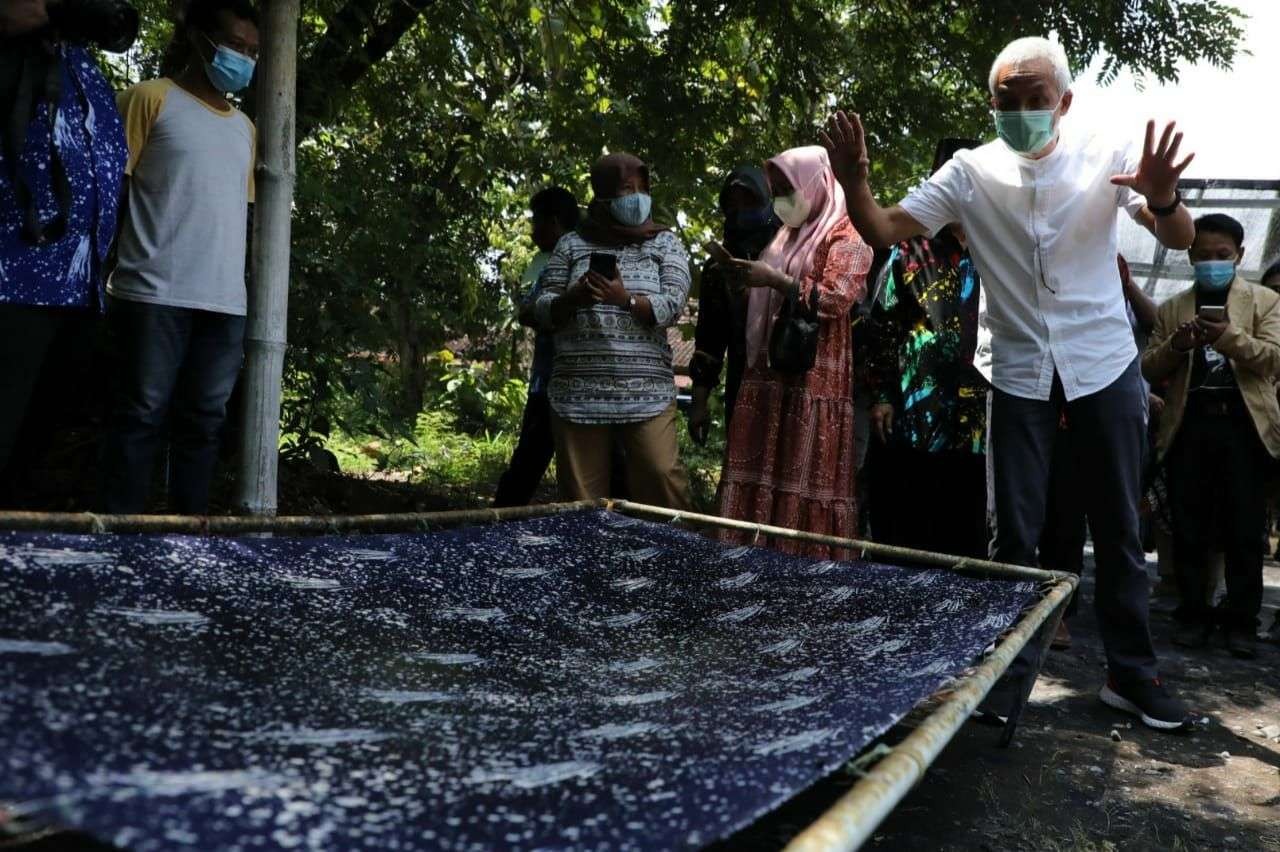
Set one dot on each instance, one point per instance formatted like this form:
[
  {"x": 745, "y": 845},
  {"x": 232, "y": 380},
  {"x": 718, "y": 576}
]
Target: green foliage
[
  {"x": 481, "y": 398},
  {"x": 413, "y": 172},
  {"x": 449, "y": 463},
  {"x": 703, "y": 463}
]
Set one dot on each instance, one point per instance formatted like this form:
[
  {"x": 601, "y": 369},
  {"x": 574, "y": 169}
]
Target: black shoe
[
  {"x": 1149, "y": 701},
  {"x": 1243, "y": 644},
  {"x": 1192, "y": 635}
]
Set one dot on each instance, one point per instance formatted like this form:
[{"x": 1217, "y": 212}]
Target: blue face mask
[
  {"x": 1026, "y": 131},
  {"x": 1214, "y": 276},
  {"x": 230, "y": 71},
  {"x": 631, "y": 209}
]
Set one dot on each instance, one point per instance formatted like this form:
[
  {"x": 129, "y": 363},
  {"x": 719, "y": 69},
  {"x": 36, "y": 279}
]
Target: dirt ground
[{"x": 1080, "y": 776}]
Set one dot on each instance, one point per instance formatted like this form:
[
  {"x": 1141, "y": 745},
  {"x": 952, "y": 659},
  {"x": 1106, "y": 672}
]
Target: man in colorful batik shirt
[{"x": 930, "y": 416}]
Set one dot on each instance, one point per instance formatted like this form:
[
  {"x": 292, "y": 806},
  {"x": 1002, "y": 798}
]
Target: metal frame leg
[{"x": 1047, "y": 631}]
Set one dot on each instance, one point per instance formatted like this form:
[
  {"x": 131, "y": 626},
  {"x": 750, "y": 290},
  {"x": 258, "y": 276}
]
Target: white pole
[{"x": 269, "y": 285}]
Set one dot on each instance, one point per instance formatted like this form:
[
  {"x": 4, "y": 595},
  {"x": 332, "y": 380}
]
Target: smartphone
[
  {"x": 718, "y": 253},
  {"x": 604, "y": 264},
  {"x": 1213, "y": 313}
]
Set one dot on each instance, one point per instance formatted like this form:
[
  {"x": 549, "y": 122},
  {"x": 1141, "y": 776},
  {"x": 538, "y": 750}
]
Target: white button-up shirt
[{"x": 1043, "y": 235}]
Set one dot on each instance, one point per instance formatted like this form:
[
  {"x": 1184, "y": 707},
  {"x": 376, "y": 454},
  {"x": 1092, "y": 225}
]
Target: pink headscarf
[{"x": 809, "y": 171}]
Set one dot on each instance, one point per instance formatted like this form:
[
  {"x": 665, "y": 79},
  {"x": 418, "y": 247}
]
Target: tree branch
[{"x": 340, "y": 58}]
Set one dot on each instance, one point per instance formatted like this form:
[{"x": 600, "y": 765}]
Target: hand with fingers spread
[
  {"x": 846, "y": 144},
  {"x": 1158, "y": 171}
]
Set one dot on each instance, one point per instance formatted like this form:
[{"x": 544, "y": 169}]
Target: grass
[{"x": 448, "y": 462}]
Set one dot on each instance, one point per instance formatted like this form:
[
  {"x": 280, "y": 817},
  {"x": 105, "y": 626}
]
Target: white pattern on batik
[
  {"x": 90, "y": 142},
  {"x": 397, "y": 691}
]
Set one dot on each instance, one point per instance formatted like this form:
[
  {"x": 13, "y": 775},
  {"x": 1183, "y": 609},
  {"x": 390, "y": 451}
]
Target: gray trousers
[{"x": 1110, "y": 433}]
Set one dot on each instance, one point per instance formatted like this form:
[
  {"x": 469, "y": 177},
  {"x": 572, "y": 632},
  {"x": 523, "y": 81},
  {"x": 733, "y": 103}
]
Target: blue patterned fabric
[
  {"x": 89, "y": 136},
  {"x": 582, "y": 681}
]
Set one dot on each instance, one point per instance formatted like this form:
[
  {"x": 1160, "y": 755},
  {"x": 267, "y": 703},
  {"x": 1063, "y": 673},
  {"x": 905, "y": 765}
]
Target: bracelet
[{"x": 1169, "y": 210}]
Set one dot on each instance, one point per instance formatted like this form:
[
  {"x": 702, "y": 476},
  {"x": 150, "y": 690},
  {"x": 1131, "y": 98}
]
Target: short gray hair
[{"x": 1032, "y": 49}]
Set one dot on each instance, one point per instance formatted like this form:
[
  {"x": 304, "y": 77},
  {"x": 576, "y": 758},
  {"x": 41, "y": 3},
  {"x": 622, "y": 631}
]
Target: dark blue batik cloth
[{"x": 582, "y": 681}]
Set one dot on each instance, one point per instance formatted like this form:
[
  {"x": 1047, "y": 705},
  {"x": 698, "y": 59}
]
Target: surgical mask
[
  {"x": 1026, "y": 131},
  {"x": 792, "y": 209},
  {"x": 230, "y": 70},
  {"x": 1214, "y": 276},
  {"x": 631, "y": 209}
]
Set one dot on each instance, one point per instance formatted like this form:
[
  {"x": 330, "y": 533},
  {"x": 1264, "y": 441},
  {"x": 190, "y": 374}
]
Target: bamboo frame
[
  {"x": 852, "y": 819},
  {"x": 87, "y": 522},
  {"x": 848, "y": 823},
  {"x": 266, "y": 328},
  {"x": 868, "y": 548}
]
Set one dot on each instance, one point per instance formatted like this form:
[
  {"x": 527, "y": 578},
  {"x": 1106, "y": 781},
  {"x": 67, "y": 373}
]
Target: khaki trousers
[{"x": 654, "y": 473}]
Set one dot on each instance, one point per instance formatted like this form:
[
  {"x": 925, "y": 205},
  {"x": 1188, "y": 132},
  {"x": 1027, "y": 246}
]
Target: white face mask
[{"x": 792, "y": 209}]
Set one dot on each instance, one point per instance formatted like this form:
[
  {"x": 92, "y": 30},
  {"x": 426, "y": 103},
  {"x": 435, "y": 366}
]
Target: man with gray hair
[{"x": 1039, "y": 209}]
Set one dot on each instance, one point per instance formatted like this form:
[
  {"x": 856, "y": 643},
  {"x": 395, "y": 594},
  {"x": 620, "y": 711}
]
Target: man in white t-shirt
[
  {"x": 1039, "y": 209},
  {"x": 177, "y": 298}
]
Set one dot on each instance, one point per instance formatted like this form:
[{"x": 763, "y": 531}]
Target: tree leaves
[{"x": 425, "y": 127}]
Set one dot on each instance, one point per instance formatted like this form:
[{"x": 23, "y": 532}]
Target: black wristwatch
[{"x": 1167, "y": 211}]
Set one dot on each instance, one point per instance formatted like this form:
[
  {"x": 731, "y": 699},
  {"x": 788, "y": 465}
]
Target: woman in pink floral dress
[{"x": 790, "y": 459}]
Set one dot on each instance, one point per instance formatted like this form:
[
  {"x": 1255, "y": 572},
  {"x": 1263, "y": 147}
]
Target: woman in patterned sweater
[
  {"x": 790, "y": 460},
  {"x": 612, "y": 374}
]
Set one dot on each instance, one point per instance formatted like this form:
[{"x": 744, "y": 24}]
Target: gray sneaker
[{"x": 1149, "y": 701}]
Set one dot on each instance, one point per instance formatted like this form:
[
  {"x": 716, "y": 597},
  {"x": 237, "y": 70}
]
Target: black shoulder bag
[{"x": 793, "y": 343}]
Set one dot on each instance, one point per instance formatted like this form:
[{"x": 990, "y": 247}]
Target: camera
[{"x": 109, "y": 24}]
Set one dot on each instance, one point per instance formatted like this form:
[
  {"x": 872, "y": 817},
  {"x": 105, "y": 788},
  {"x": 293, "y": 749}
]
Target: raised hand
[
  {"x": 1158, "y": 171},
  {"x": 846, "y": 145}
]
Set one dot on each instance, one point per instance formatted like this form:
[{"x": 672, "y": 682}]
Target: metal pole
[{"x": 269, "y": 290}]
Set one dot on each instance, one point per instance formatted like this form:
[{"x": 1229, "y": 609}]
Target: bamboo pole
[
  {"x": 868, "y": 548},
  {"x": 852, "y": 819},
  {"x": 269, "y": 291},
  {"x": 85, "y": 522}
]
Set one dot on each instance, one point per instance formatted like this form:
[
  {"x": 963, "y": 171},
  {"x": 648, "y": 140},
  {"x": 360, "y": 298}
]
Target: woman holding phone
[
  {"x": 790, "y": 455},
  {"x": 611, "y": 289}
]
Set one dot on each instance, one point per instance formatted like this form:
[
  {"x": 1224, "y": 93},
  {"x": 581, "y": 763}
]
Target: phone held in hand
[
  {"x": 1213, "y": 313},
  {"x": 718, "y": 252},
  {"x": 604, "y": 264}
]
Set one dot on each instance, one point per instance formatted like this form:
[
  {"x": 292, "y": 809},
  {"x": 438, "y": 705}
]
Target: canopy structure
[
  {"x": 1254, "y": 203},
  {"x": 570, "y": 676}
]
